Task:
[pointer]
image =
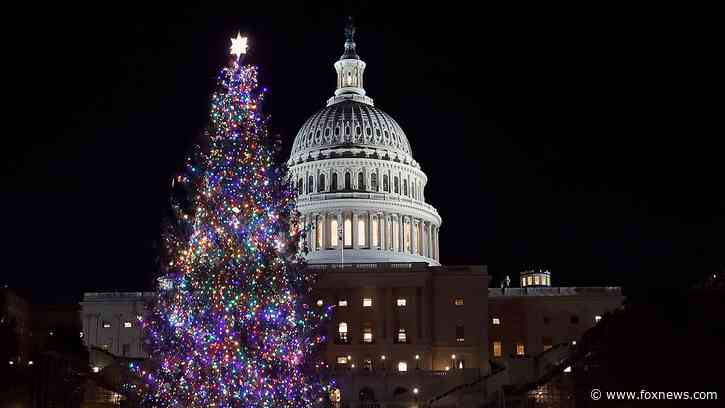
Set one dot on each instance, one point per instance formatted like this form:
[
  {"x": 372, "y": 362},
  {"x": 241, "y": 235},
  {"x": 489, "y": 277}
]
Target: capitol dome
[{"x": 360, "y": 192}]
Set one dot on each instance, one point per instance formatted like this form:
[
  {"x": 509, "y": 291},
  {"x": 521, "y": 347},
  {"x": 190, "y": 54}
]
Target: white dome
[
  {"x": 361, "y": 194},
  {"x": 351, "y": 124}
]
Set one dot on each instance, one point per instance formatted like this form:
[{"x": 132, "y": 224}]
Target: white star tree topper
[{"x": 239, "y": 46}]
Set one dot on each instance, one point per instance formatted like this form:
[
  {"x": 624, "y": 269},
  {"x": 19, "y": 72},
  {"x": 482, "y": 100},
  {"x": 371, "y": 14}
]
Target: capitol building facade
[{"x": 407, "y": 331}]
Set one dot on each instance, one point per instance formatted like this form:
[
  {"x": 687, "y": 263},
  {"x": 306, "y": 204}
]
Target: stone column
[
  {"x": 438, "y": 255},
  {"x": 401, "y": 233},
  {"x": 413, "y": 236},
  {"x": 382, "y": 224},
  {"x": 325, "y": 227},
  {"x": 370, "y": 229},
  {"x": 354, "y": 229},
  {"x": 429, "y": 240}
]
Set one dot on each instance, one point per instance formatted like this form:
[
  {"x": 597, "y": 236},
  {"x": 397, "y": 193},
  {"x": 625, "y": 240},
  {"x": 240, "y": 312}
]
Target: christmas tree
[{"x": 232, "y": 324}]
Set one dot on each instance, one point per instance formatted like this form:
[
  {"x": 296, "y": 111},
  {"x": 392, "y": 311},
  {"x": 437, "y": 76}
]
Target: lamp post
[
  {"x": 417, "y": 361},
  {"x": 453, "y": 361}
]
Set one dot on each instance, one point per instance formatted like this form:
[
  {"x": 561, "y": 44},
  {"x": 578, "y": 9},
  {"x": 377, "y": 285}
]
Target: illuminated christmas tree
[{"x": 232, "y": 325}]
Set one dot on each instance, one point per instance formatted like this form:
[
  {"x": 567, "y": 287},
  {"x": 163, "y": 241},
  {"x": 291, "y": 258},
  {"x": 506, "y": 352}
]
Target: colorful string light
[{"x": 231, "y": 325}]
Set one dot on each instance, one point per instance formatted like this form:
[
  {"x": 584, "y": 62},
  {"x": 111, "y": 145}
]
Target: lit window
[
  {"x": 402, "y": 302},
  {"x": 367, "y": 335},
  {"x": 348, "y": 232},
  {"x": 320, "y": 302},
  {"x": 458, "y": 302},
  {"x": 106, "y": 325},
  {"x": 335, "y": 395},
  {"x": 497, "y": 349},
  {"x": 127, "y": 325},
  {"x": 496, "y": 321},
  {"x": 342, "y": 360},
  {"x": 367, "y": 302},
  {"x": 567, "y": 369},
  {"x": 96, "y": 369},
  {"x": 530, "y": 280},
  {"x": 520, "y": 349},
  {"x": 597, "y": 319},
  {"x": 537, "y": 280},
  {"x": 342, "y": 332},
  {"x": 342, "y": 303},
  {"x": 460, "y": 336},
  {"x": 334, "y": 233},
  {"x": 105, "y": 346},
  {"x": 402, "y": 366},
  {"x": 402, "y": 336}
]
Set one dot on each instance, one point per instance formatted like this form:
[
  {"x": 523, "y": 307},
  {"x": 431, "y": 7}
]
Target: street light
[{"x": 417, "y": 361}]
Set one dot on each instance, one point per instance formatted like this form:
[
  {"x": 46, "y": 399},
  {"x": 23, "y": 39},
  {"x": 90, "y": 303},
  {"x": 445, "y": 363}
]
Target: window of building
[
  {"x": 402, "y": 366},
  {"x": 597, "y": 319},
  {"x": 125, "y": 349},
  {"x": 367, "y": 364},
  {"x": 127, "y": 324},
  {"x": 405, "y": 187},
  {"x": 386, "y": 184},
  {"x": 336, "y": 396},
  {"x": 310, "y": 184},
  {"x": 396, "y": 189},
  {"x": 348, "y": 181},
  {"x": 361, "y": 232},
  {"x": 342, "y": 332},
  {"x": 458, "y": 302},
  {"x": 321, "y": 183},
  {"x": 106, "y": 325},
  {"x": 105, "y": 347},
  {"x": 334, "y": 233},
  {"x": 367, "y": 302},
  {"x": 537, "y": 280},
  {"x": 342, "y": 303},
  {"x": 375, "y": 232},
  {"x": 360, "y": 181},
  {"x": 402, "y": 302},
  {"x": 402, "y": 336},
  {"x": 460, "y": 333},
  {"x": 348, "y": 232},
  {"x": 342, "y": 360},
  {"x": 367, "y": 335},
  {"x": 548, "y": 343},
  {"x": 520, "y": 351},
  {"x": 300, "y": 183},
  {"x": 574, "y": 319},
  {"x": 374, "y": 182},
  {"x": 497, "y": 349},
  {"x": 496, "y": 321},
  {"x": 333, "y": 184}
]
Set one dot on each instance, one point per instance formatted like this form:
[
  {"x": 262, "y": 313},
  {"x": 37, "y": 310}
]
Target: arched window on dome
[
  {"x": 386, "y": 185},
  {"x": 321, "y": 183},
  {"x": 334, "y": 233},
  {"x": 360, "y": 181},
  {"x": 361, "y": 232},
  {"x": 405, "y": 187},
  {"x": 412, "y": 189},
  {"x": 374, "y": 181},
  {"x": 310, "y": 184},
  {"x": 348, "y": 232},
  {"x": 300, "y": 187},
  {"x": 396, "y": 188},
  {"x": 333, "y": 184},
  {"x": 348, "y": 181}
]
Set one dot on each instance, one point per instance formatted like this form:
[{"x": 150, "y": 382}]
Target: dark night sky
[{"x": 573, "y": 139}]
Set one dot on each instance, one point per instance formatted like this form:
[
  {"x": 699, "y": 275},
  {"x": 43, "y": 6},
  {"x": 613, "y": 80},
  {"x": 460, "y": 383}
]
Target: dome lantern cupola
[{"x": 350, "y": 69}]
